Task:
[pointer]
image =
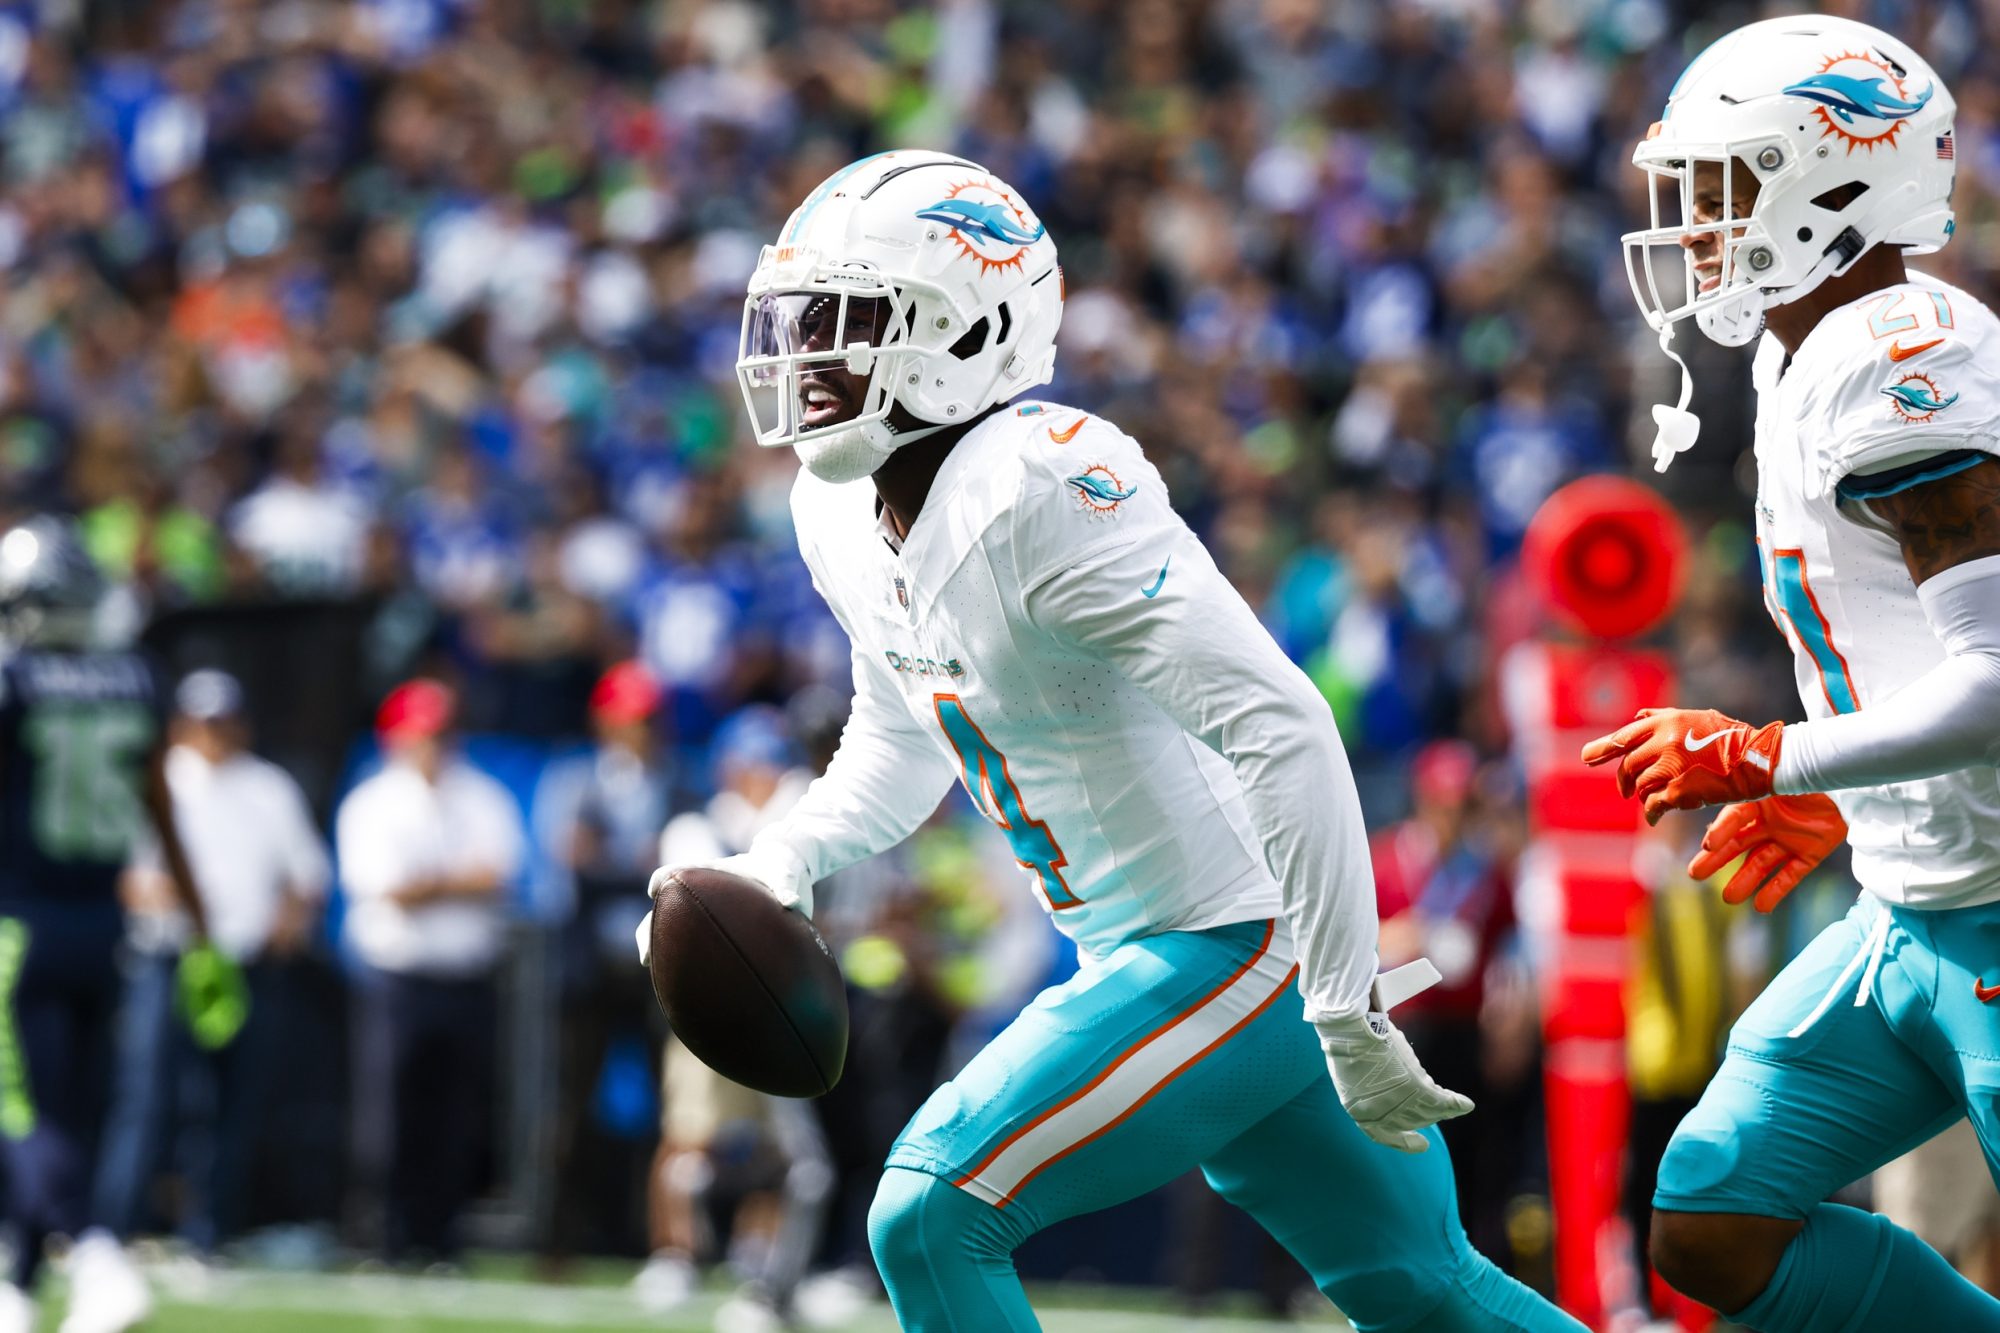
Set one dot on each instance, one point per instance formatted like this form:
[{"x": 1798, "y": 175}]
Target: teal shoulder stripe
[{"x": 1875, "y": 485}]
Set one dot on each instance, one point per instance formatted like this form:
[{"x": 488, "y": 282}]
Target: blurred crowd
[
  {"x": 428, "y": 309},
  {"x": 437, "y": 301}
]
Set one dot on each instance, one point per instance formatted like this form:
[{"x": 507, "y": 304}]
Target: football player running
[
  {"x": 1809, "y": 155},
  {"x": 1029, "y": 616}
]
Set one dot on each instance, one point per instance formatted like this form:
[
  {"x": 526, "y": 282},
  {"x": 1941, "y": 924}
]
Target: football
[{"x": 749, "y": 986}]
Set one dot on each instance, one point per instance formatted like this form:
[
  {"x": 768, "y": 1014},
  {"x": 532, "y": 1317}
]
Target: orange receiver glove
[
  {"x": 1685, "y": 758},
  {"x": 1780, "y": 838}
]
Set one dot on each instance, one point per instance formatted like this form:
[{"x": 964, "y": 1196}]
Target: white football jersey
[
  {"x": 1880, "y": 396},
  {"x": 1055, "y": 638}
]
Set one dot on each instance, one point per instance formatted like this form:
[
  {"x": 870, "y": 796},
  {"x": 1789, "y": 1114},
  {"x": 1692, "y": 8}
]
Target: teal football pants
[
  {"x": 1183, "y": 1049},
  {"x": 1789, "y": 1119},
  {"x": 1817, "y": 1091}
]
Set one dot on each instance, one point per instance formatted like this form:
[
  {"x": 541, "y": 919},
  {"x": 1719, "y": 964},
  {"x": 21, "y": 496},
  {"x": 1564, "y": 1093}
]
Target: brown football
[{"x": 749, "y": 986}]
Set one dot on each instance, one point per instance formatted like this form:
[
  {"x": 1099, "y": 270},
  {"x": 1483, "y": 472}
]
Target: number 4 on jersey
[{"x": 984, "y": 770}]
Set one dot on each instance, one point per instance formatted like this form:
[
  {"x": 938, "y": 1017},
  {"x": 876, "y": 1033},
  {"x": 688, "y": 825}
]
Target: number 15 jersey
[
  {"x": 76, "y": 730},
  {"x": 1055, "y": 638}
]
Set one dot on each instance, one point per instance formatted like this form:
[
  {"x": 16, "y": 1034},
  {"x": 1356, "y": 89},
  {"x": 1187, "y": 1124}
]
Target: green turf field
[{"x": 267, "y": 1302}]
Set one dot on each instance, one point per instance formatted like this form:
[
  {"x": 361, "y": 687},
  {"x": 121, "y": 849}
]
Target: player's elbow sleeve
[
  {"x": 1962, "y": 605},
  {"x": 1307, "y": 714},
  {"x": 1987, "y": 722},
  {"x": 1290, "y": 729}
]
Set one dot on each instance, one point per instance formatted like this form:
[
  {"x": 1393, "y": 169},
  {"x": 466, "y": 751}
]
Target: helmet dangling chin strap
[
  {"x": 1677, "y": 428},
  {"x": 1731, "y": 323}
]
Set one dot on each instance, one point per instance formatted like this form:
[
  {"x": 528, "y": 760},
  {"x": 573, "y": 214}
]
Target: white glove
[
  {"x": 779, "y": 870},
  {"x": 1378, "y": 1076}
]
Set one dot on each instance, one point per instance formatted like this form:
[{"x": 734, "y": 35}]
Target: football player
[
  {"x": 82, "y": 775},
  {"x": 1030, "y": 617},
  {"x": 1809, "y": 156}
]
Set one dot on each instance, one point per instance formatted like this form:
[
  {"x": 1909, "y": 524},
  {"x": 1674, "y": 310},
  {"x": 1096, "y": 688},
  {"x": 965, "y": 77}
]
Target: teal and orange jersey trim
[
  {"x": 1789, "y": 584},
  {"x": 983, "y": 769}
]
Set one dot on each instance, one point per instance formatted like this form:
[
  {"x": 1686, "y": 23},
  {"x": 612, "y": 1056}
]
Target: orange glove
[
  {"x": 1685, "y": 758},
  {"x": 1780, "y": 838}
]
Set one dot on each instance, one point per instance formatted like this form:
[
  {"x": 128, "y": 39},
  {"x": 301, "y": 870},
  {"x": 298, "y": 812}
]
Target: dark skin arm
[
  {"x": 159, "y": 803},
  {"x": 1946, "y": 522}
]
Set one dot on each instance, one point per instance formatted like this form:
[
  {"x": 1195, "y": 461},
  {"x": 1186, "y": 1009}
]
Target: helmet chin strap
[
  {"x": 1846, "y": 248},
  {"x": 1677, "y": 427},
  {"x": 849, "y": 455}
]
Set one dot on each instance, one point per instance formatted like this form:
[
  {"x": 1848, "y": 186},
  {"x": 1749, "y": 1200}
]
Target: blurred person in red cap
[
  {"x": 600, "y": 812},
  {"x": 427, "y": 848},
  {"x": 1444, "y": 888}
]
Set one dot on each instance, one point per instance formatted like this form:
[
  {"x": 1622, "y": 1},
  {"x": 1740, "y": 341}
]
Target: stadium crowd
[{"x": 424, "y": 313}]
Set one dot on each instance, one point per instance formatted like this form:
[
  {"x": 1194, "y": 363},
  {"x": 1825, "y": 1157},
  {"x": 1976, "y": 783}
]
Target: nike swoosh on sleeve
[
  {"x": 1159, "y": 582},
  {"x": 1898, "y": 352},
  {"x": 1065, "y": 436}
]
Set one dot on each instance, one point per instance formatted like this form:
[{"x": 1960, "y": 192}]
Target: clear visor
[
  {"x": 819, "y": 359},
  {"x": 1704, "y": 243}
]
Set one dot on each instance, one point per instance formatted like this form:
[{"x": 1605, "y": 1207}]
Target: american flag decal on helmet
[{"x": 1944, "y": 146}]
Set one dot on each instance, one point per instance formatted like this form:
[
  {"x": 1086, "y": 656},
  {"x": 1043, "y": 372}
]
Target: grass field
[{"x": 269, "y": 1302}]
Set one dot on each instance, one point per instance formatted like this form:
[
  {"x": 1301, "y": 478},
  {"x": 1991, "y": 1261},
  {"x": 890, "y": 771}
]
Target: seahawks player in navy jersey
[{"x": 81, "y": 778}]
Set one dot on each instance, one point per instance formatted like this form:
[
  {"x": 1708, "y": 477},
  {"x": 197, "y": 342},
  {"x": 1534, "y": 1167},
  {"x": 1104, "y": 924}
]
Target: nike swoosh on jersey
[
  {"x": 1159, "y": 582},
  {"x": 1987, "y": 994},
  {"x": 1898, "y": 352},
  {"x": 1065, "y": 436},
  {"x": 1692, "y": 744}
]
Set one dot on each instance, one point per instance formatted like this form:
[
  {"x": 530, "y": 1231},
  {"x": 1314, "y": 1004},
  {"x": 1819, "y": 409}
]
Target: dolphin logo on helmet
[
  {"x": 1848, "y": 97},
  {"x": 1858, "y": 97},
  {"x": 983, "y": 218}
]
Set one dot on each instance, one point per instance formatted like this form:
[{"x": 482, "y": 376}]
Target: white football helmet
[
  {"x": 1848, "y": 133},
  {"x": 924, "y": 272}
]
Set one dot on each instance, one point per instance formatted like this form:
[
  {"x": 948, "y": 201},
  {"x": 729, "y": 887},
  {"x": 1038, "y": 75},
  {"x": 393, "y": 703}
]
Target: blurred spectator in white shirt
[
  {"x": 262, "y": 868},
  {"x": 428, "y": 847},
  {"x": 303, "y": 535}
]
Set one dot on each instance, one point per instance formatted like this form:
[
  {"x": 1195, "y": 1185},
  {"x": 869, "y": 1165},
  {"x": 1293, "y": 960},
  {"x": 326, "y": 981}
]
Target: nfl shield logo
[{"x": 902, "y": 593}]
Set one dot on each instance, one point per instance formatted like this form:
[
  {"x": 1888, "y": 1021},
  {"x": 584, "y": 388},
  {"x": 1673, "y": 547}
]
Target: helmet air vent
[
  {"x": 973, "y": 341},
  {"x": 1840, "y": 196}
]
